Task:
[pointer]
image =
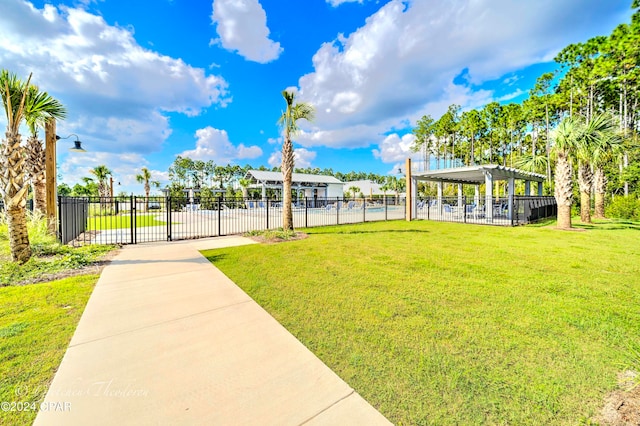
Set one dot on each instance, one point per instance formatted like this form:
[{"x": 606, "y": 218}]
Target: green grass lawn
[
  {"x": 98, "y": 223},
  {"x": 36, "y": 325},
  {"x": 442, "y": 323}
]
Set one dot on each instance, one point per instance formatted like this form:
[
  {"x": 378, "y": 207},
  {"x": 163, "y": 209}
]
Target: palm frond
[
  {"x": 566, "y": 135},
  {"x": 304, "y": 111},
  {"x": 40, "y": 107},
  {"x": 13, "y": 92},
  {"x": 532, "y": 163},
  {"x": 101, "y": 172},
  {"x": 293, "y": 113}
]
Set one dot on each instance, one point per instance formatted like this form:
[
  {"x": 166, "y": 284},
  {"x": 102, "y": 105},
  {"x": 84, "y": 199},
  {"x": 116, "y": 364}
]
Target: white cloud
[
  {"x": 115, "y": 90},
  {"x": 302, "y": 158},
  {"x": 395, "y": 148},
  {"x": 336, "y": 3},
  {"x": 402, "y": 63},
  {"x": 214, "y": 144},
  {"x": 242, "y": 27}
]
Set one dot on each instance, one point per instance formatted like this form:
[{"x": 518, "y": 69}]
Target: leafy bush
[
  {"x": 49, "y": 256},
  {"x": 273, "y": 234},
  {"x": 624, "y": 208}
]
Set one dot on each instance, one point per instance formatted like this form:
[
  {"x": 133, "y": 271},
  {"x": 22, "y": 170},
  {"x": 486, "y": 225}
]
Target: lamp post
[{"x": 50, "y": 170}]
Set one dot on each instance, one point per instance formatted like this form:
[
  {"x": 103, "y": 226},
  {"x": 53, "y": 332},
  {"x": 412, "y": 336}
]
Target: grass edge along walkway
[
  {"x": 442, "y": 323},
  {"x": 37, "y": 322}
]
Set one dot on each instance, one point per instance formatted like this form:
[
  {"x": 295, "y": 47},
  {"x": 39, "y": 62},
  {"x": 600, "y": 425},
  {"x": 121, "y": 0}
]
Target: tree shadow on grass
[
  {"x": 215, "y": 257},
  {"x": 381, "y": 231},
  {"x": 610, "y": 226}
]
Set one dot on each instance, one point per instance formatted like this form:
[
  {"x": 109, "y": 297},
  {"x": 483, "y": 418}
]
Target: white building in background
[
  {"x": 367, "y": 188},
  {"x": 307, "y": 186}
]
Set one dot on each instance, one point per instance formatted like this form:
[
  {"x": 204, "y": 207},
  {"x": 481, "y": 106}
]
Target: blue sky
[{"x": 144, "y": 81}]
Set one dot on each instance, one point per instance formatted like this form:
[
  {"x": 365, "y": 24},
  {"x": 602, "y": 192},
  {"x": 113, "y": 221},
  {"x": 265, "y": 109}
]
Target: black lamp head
[{"x": 77, "y": 145}]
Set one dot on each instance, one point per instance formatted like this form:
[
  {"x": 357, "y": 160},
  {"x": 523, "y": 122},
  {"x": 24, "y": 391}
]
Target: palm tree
[
  {"x": 565, "y": 138},
  {"x": 572, "y": 138},
  {"x": 595, "y": 149},
  {"x": 14, "y": 94},
  {"x": 354, "y": 189},
  {"x": 610, "y": 142},
  {"x": 289, "y": 121},
  {"x": 145, "y": 177},
  {"x": 585, "y": 181},
  {"x": 39, "y": 108},
  {"x": 244, "y": 184},
  {"x": 102, "y": 173}
]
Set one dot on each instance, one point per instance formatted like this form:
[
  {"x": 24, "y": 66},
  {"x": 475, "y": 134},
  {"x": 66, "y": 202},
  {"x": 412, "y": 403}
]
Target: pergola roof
[
  {"x": 298, "y": 179},
  {"x": 476, "y": 174}
]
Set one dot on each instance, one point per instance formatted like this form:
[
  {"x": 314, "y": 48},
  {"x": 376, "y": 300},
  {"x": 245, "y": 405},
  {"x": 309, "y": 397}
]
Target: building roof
[
  {"x": 476, "y": 174},
  {"x": 367, "y": 187},
  {"x": 261, "y": 176}
]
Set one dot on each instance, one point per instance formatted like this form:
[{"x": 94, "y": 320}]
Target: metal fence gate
[{"x": 134, "y": 219}]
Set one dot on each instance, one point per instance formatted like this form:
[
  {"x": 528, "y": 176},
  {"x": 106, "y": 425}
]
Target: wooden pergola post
[
  {"x": 50, "y": 174},
  {"x": 408, "y": 190}
]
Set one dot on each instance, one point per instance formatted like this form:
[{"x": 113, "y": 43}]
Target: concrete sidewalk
[{"x": 166, "y": 338}]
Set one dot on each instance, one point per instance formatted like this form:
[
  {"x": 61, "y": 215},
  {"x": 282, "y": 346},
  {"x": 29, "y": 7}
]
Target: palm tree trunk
[
  {"x": 585, "y": 182},
  {"x": 15, "y": 196},
  {"x": 103, "y": 194},
  {"x": 287, "y": 170},
  {"x": 585, "y": 207},
  {"x": 39, "y": 193},
  {"x": 563, "y": 190},
  {"x": 600, "y": 186},
  {"x": 35, "y": 168},
  {"x": 18, "y": 234},
  {"x": 147, "y": 190}
]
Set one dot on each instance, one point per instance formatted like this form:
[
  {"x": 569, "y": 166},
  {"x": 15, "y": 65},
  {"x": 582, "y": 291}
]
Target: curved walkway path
[{"x": 166, "y": 338}]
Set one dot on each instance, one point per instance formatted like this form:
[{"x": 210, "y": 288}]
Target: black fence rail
[
  {"x": 73, "y": 214},
  {"x": 509, "y": 211},
  {"x": 529, "y": 209},
  {"x": 132, "y": 219}
]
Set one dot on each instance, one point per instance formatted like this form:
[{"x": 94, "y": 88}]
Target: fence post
[
  {"x": 167, "y": 204},
  {"x": 386, "y": 218},
  {"x": 337, "y": 210},
  {"x": 511, "y": 208},
  {"x": 59, "y": 227},
  {"x": 267, "y": 210},
  {"x": 131, "y": 210},
  {"x": 464, "y": 208},
  {"x": 219, "y": 216},
  {"x": 306, "y": 212},
  {"x": 364, "y": 209}
]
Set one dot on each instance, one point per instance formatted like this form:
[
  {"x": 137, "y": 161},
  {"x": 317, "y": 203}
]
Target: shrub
[{"x": 624, "y": 208}]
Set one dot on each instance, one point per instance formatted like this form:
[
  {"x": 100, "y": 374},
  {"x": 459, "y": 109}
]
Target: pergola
[
  {"x": 299, "y": 181},
  {"x": 477, "y": 175}
]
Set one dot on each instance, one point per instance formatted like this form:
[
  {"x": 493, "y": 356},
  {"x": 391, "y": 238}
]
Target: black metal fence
[
  {"x": 530, "y": 209},
  {"x": 132, "y": 219},
  {"x": 73, "y": 214},
  {"x": 509, "y": 211}
]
